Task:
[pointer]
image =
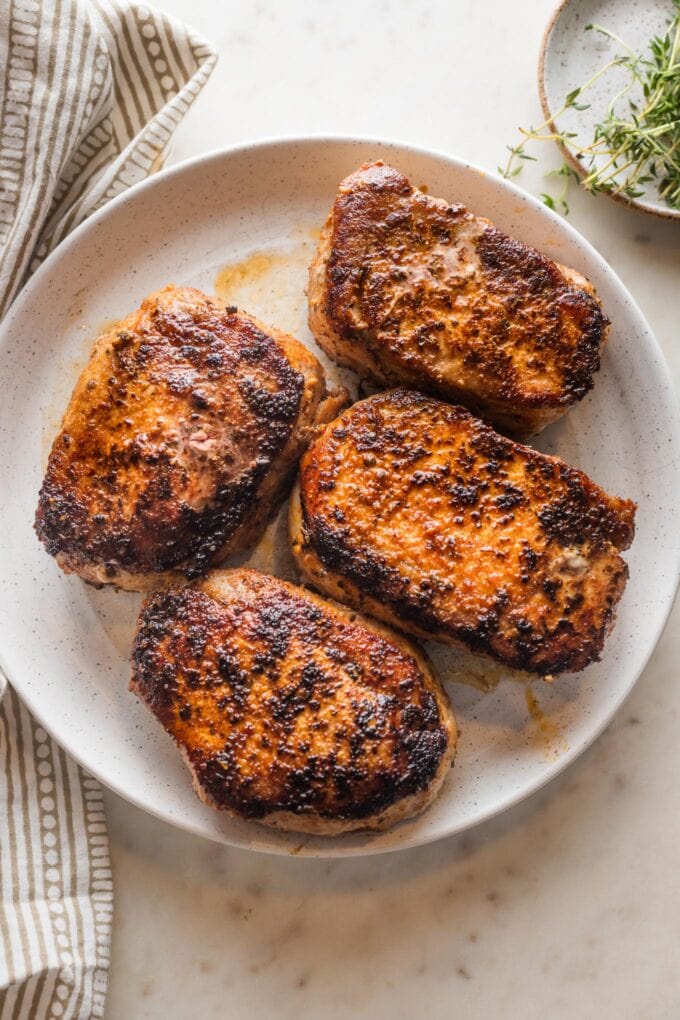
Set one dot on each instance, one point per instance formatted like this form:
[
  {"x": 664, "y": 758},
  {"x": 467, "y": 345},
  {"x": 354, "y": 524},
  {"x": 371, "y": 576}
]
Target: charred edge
[
  {"x": 326, "y": 788},
  {"x": 514, "y": 268}
]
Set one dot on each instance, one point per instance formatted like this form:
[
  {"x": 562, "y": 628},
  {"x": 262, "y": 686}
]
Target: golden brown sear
[
  {"x": 409, "y": 289},
  {"x": 179, "y": 441},
  {"x": 290, "y": 709},
  {"x": 422, "y": 515}
]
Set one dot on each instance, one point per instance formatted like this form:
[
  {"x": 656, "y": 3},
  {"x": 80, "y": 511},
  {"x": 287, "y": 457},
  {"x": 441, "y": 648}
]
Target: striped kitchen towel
[
  {"x": 55, "y": 878},
  {"x": 90, "y": 94}
]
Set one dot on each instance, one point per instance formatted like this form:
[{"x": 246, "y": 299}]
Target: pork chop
[
  {"x": 179, "y": 441},
  {"x": 289, "y": 709},
  {"x": 420, "y": 514},
  {"x": 409, "y": 289}
]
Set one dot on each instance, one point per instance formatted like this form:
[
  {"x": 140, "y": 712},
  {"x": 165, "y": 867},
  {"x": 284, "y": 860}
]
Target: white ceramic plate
[
  {"x": 570, "y": 56},
  {"x": 258, "y": 208}
]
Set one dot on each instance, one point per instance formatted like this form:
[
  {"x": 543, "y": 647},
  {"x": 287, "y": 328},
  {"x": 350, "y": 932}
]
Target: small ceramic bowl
[{"x": 570, "y": 56}]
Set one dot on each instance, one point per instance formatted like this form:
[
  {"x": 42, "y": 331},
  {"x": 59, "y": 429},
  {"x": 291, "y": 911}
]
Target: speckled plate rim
[
  {"x": 327, "y": 847},
  {"x": 629, "y": 203}
]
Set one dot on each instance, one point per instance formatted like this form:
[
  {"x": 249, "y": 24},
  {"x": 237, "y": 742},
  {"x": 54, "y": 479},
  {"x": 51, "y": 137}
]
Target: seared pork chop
[
  {"x": 409, "y": 289},
  {"x": 422, "y": 515},
  {"x": 290, "y": 709},
  {"x": 179, "y": 441}
]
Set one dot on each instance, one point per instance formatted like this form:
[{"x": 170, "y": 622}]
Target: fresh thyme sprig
[{"x": 638, "y": 140}]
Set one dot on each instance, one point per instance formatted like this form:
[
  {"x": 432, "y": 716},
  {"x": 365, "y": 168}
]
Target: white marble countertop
[{"x": 569, "y": 905}]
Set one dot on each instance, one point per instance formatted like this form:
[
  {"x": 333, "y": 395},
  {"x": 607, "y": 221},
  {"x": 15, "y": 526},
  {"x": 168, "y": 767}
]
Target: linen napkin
[{"x": 91, "y": 92}]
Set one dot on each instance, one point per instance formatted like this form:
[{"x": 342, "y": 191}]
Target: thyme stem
[{"x": 634, "y": 145}]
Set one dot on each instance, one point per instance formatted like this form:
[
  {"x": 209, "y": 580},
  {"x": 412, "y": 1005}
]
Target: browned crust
[
  {"x": 179, "y": 442},
  {"x": 290, "y": 709},
  {"x": 405, "y": 288},
  {"x": 418, "y": 513}
]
